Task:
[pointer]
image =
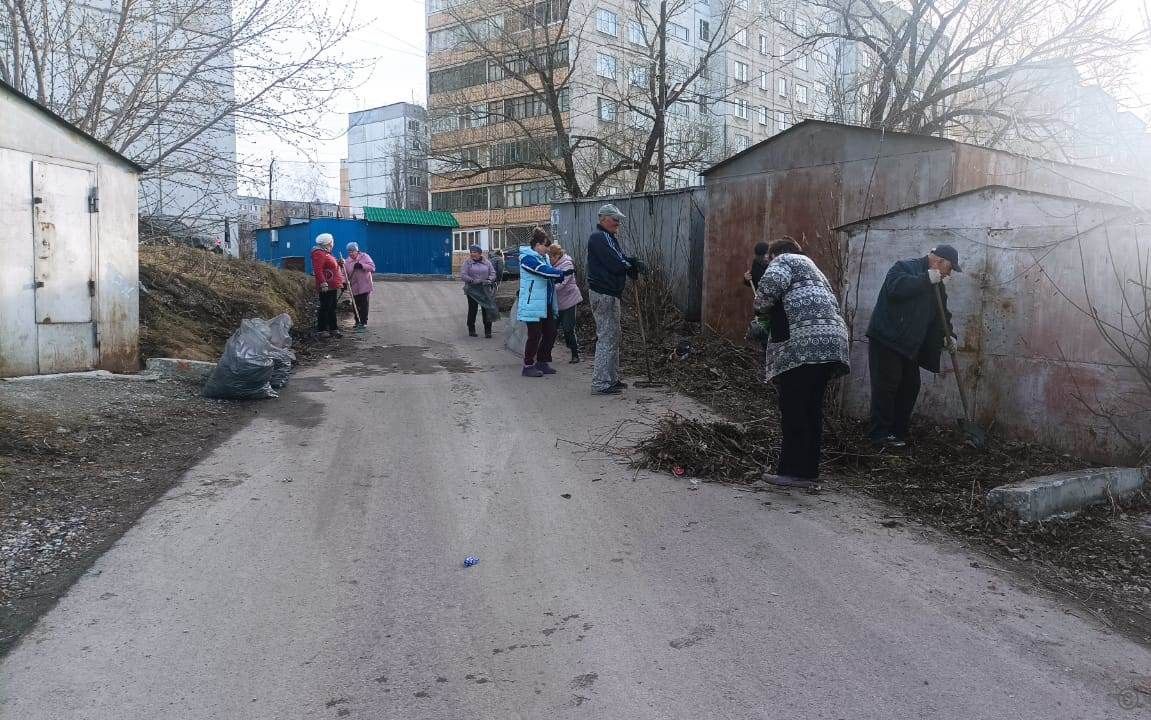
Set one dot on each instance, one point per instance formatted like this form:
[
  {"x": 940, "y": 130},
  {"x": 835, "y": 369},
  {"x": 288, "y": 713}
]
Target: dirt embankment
[{"x": 192, "y": 300}]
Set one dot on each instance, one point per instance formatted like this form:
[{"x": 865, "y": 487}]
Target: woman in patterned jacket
[{"x": 815, "y": 351}]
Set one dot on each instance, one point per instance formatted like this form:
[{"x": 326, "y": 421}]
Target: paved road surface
[{"x": 311, "y": 568}]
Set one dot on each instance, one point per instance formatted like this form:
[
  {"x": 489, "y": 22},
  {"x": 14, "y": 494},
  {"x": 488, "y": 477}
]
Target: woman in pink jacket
[
  {"x": 568, "y": 296},
  {"x": 359, "y": 267}
]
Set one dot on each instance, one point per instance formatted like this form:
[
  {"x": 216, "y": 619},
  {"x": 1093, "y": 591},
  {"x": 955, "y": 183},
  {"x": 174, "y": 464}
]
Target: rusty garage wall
[
  {"x": 68, "y": 262},
  {"x": 818, "y": 176},
  {"x": 1026, "y": 351},
  {"x": 664, "y": 228}
]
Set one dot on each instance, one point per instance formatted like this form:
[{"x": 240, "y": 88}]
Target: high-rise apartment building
[
  {"x": 736, "y": 67},
  {"x": 387, "y": 163}
]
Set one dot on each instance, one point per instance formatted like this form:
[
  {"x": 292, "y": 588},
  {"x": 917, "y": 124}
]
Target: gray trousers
[{"x": 606, "y": 311}]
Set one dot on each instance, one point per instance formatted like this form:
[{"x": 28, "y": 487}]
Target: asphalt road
[{"x": 311, "y": 567}]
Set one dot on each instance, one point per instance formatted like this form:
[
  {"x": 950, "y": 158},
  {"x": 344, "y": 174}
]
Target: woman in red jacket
[{"x": 329, "y": 281}]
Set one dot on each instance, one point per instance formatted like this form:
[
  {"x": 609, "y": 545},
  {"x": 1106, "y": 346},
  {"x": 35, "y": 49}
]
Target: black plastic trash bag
[
  {"x": 279, "y": 336},
  {"x": 245, "y": 370}
]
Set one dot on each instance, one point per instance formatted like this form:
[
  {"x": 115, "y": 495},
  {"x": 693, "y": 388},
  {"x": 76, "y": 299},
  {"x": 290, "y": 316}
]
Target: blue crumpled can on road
[{"x": 471, "y": 560}]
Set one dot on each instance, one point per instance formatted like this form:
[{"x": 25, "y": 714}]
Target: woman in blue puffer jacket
[{"x": 537, "y": 306}]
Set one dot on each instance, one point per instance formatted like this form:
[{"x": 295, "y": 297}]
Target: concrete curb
[
  {"x": 1042, "y": 498},
  {"x": 195, "y": 371}
]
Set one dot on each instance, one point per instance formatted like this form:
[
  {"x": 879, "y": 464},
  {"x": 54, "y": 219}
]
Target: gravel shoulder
[{"x": 80, "y": 460}]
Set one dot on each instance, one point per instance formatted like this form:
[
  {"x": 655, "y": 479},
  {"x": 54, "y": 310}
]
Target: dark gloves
[
  {"x": 569, "y": 273},
  {"x": 638, "y": 266},
  {"x": 359, "y": 266}
]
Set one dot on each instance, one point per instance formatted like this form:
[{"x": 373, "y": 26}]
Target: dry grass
[{"x": 192, "y": 300}]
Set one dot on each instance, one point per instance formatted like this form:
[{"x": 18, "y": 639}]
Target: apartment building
[
  {"x": 387, "y": 164},
  {"x": 743, "y": 80}
]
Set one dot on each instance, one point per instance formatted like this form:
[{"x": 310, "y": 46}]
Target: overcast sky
[{"x": 393, "y": 38}]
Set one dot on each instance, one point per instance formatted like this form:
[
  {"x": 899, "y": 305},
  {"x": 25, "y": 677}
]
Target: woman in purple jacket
[
  {"x": 568, "y": 296},
  {"x": 359, "y": 267},
  {"x": 478, "y": 274}
]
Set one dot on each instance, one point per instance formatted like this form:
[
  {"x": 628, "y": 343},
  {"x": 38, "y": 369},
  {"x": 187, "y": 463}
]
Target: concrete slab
[
  {"x": 86, "y": 375},
  {"x": 1049, "y": 496},
  {"x": 178, "y": 369}
]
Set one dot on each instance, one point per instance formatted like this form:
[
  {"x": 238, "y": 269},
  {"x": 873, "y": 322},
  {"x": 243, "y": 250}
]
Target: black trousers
[
  {"x": 801, "y": 393},
  {"x": 568, "y": 325},
  {"x": 326, "y": 316},
  {"x": 361, "y": 306},
  {"x": 473, "y": 308},
  {"x": 894, "y": 390}
]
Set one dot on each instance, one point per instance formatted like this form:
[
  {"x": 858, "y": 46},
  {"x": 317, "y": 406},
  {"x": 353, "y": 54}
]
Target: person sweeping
[{"x": 359, "y": 268}]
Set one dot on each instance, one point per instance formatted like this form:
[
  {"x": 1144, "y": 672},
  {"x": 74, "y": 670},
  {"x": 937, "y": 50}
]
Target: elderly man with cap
[
  {"x": 906, "y": 334},
  {"x": 329, "y": 282},
  {"x": 607, "y": 272}
]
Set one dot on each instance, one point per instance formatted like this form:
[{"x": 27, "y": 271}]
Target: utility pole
[
  {"x": 661, "y": 60},
  {"x": 271, "y": 171}
]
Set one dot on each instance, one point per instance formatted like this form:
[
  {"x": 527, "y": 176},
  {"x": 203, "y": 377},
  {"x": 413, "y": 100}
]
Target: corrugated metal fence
[{"x": 665, "y": 229}]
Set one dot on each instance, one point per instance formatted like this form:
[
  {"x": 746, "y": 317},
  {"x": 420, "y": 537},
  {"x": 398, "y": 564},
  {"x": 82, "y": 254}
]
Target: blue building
[{"x": 401, "y": 242}]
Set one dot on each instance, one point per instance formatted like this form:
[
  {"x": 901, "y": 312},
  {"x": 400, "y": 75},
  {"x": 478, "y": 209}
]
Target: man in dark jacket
[
  {"x": 906, "y": 334},
  {"x": 607, "y": 272}
]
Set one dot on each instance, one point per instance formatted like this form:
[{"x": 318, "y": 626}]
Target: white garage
[{"x": 69, "y": 298}]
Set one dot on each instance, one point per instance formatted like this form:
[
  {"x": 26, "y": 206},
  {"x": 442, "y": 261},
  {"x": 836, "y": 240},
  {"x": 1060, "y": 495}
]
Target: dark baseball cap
[{"x": 948, "y": 253}]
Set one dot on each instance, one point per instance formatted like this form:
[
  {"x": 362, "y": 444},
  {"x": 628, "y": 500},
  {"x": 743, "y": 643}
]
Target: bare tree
[
  {"x": 627, "y": 125},
  {"x": 940, "y": 67},
  {"x": 168, "y": 82}
]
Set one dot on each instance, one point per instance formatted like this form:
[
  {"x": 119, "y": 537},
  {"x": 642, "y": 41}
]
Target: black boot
[
  {"x": 472, "y": 331},
  {"x": 575, "y": 357},
  {"x": 487, "y": 330}
]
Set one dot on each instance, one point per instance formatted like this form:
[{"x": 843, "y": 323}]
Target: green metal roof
[{"x": 436, "y": 218}]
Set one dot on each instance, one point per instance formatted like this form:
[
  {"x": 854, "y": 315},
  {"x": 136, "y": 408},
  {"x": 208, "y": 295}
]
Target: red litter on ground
[{"x": 678, "y": 471}]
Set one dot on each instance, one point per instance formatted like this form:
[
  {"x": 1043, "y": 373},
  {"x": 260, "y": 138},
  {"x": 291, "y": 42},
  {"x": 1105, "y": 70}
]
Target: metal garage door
[{"x": 64, "y": 199}]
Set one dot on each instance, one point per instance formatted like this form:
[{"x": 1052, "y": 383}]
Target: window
[
  {"x": 606, "y": 22},
  {"x": 764, "y": 117},
  {"x": 414, "y": 125},
  {"x": 678, "y": 32},
  {"x": 463, "y": 239},
  {"x": 497, "y": 240},
  {"x": 704, "y": 31},
  {"x": 635, "y": 33},
  {"x": 741, "y": 37},
  {"x": 637, "y": 120},
  {"x": 742, "y": 142},
  {"x": 764, "y": 45},
  {"x": 638, "y": 75},
  {"x": 703, "y": 103},
  {"x": 741, "y": 4},
  {"x": 801, "y": 94},
  {"x": 607, "y": 109},
  {"x": 740, "y": 71},
  {"x": 677, "y": 110},
  {"x": 741, "y": 108},
  {"x": 783, "y": 121},
  {"x": 459, "y": 200},
  {"x": 764, "y": 80},
  {"x": 605, "y": 65},
  {"x": 781, "y": 86},
  {"x": 413, "y": 181},
  {"x": 801, "y": 62},
  {"x": 526, "y": 194}
]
